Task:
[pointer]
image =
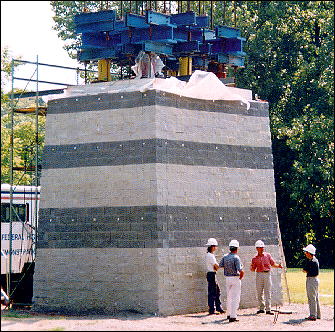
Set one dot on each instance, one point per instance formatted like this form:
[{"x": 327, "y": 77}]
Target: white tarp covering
[{"x": 201, "y": 85}]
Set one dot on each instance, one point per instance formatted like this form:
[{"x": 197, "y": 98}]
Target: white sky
[{"x": 26, "y": 28}]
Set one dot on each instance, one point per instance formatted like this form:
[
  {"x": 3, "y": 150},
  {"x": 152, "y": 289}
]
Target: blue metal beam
[
  {"x": 226, "y": 32},
  {"x": 186, "y": 47},
  {"x": 159, "y": 48},
  {"x": 225, "y": 45},
  {"x": 205, "y": 48},
  {"x": 187, "y": 18},
  {"x": 99, "y": 40},
  {"x": 183, "y": 34},
  {"x": 101, "y": 16},
  {"x": 221, "y": 58},
  {"x": 234, "y": 44},
  {"x": 157, "y": 18},
  {"x": 136, "y": 21},
  {"x": 156, "y": 32},
  {"x": 98, "y": 54},
  {"x": 199, "y": 61},
  {"x": 202, "y": 21},
  {"x": 236, "y": 60},
  {"x": 95, "y": 27},
  {"x": 209, "y": 34}
]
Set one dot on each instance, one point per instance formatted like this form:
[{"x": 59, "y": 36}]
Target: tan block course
[
  {"x": 163, "y": 281},
  {"x": 157, "y": 184}
]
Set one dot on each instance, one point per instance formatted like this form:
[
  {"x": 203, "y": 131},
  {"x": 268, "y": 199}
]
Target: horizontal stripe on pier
[
  {"x": 156, "y": 151},
  {"x": 154, "y": 226}
]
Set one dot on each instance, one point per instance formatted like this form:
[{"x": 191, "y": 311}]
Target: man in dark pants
[
  {"x": 311, "y": 267},
  {"x": 213, "y": 287}
]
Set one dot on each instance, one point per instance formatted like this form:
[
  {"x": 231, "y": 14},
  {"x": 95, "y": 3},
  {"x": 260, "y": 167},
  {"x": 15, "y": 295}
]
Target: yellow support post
[
  {"x": 104, "y": 70},
  {"x": 185, "y": 66},
  {"x": 171, "y": 73}
]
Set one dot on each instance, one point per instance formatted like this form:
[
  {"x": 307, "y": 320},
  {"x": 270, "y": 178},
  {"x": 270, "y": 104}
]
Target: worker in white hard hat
[
  {"x": 233, "y": 271},
  {"x": 262, "y": 264},
  {"x": 213, "y": 287},
  {"x": 311, "y": 267}
]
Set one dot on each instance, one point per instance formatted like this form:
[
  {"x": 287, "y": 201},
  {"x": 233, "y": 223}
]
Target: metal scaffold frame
[{"x": 37, "y": 110}]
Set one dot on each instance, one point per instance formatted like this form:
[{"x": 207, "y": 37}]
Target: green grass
[
  {"x": 296, "y": 280},
  {"x": 11, "y": 313}
]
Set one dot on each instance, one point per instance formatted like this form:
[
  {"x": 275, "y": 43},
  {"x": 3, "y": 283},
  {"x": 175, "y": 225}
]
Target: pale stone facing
[
  {"x": 145, "y": 122},
  {"x": 122, "y": 224},
  {"x": 157, "y": 184},
  {"x": 165, "y": 281}
]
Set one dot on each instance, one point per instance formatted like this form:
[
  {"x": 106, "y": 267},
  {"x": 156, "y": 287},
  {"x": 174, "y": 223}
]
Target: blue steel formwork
[{"x": 168, "y": 35}]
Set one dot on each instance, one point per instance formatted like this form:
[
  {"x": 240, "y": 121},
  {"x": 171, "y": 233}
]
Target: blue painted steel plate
[
  {"x": 187, "y": 18},
  {"x": 226, "y": 32},
  {"x": 101, "y": 16}
]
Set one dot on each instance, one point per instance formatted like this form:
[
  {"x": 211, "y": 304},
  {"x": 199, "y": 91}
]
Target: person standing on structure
[
  {"x": 233, "y": 271},
  {"x": 311, "y": 267},
  {"x": 213, "y": 287},
  {"x": 262, "y": 264}
]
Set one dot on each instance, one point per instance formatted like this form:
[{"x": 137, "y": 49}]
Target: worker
[
  {"x": 213, "y": 287},
  {"x": 4, "y": 298},
  {"x": 233, "y": 271},
  {"x": 262, "y": 264},
  {"x": 311, "y": 267}
]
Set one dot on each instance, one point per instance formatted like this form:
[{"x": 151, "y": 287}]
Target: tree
[
  {"x": 24, "y": 129},
  {"x": 290, "y": 54},
  {"x": 290, "y": 63}
]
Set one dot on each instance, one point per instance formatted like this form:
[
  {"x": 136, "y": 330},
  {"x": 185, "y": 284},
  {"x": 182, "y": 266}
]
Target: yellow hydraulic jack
[
  {"x": 104, "y": 70},
  {"x": 185, "y": 66}
]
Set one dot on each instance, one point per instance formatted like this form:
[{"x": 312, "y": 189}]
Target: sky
[{"x": 26, "y": 28}]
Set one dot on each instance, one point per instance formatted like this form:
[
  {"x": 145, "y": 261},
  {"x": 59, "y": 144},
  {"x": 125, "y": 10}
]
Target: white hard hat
[
  {"x": 259, "y": 244},
  {"x": 310, "y": 248},
  {"x": 211, "y": 242},
  {"x": 234, "y": 243}
]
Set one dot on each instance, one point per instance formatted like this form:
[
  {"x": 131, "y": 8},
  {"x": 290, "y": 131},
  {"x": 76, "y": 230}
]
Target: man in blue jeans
[{"x": 213, "y": 287}]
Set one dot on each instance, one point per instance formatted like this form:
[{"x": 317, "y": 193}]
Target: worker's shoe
[
  {"x": 310, "y": 318},
  {"x": 260, "y": 311},
  {"x": 211, "y": 312},
  {"x": 318, "y": 317},
  {"x": 220, "y": 310},
  {"x": 233, "y": 320},
  {"x": 269, "y": 312}
]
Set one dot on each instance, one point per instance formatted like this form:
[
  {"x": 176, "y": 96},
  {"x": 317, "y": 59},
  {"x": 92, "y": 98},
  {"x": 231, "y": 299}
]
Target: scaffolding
[{"x": 36, "y": 110}]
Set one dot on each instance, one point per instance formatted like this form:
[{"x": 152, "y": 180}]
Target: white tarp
[{"x": 201, "y": 85}]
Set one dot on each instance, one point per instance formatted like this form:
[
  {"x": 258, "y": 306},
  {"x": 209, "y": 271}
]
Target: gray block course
[{"x": 133, "y": 184}]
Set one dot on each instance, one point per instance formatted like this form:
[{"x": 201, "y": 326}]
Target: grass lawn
[{"x": 296, "y": 280}]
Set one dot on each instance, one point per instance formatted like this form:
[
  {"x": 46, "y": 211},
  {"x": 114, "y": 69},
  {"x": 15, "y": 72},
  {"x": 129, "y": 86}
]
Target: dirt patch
[{"x": 248, "y": 321}]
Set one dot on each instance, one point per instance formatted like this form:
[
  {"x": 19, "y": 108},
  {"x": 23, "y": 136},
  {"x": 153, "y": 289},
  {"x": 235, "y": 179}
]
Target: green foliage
[
  {"x": 6, "y": 67},
  {"x": 290, "y": 63},
  {"x": 24, "y": 133},
  {"x": 24, "y": 148}
]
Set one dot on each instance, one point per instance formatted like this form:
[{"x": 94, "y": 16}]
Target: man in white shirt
[{"x": 213, "y": 287}]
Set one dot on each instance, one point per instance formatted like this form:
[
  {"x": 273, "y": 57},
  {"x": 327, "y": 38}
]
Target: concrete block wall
[{"x": 133, "y": 184}]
